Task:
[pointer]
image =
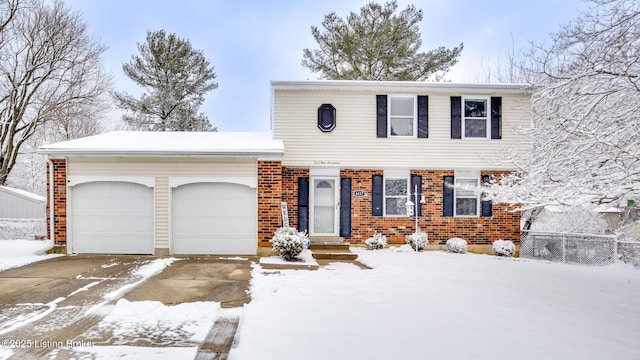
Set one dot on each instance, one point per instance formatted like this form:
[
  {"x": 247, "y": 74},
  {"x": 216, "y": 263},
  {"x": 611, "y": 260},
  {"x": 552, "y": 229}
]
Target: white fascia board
[
  {"x": 403, "y": 86},
  {"x": 62, "y": 153}
]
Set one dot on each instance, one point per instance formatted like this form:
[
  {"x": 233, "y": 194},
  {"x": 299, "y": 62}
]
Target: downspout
[{"x": 51, "y": 204}]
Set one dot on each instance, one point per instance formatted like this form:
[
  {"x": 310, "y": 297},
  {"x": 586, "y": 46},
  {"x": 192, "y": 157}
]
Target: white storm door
[{"x": 324, "y": 208}]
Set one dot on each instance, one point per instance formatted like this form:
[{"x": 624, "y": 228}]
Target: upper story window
[
  {"x": 466, "y": 200},
  {"x": 475, "y": 119},
  {"x": 395, "y": 196},
  {"x": 402, "y": 115}
]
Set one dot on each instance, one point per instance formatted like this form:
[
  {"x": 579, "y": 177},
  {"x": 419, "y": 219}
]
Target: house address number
[{"x": 359, "y": 193}]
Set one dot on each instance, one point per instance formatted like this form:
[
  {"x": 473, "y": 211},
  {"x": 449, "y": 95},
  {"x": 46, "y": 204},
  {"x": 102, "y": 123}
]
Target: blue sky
[{"x": 253, "y": 42}]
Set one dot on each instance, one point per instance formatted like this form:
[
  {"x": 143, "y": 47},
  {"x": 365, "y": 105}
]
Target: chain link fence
[{"x": 568, "y": 248}]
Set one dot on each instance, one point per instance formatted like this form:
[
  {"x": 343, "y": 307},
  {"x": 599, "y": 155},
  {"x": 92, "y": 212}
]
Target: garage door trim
[
  {"x": 250, "y": 181},
  {"x": 148, "y": 181}
]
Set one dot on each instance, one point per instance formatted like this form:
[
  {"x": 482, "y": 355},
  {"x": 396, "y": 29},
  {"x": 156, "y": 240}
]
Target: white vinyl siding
[
  {"x": 16, "y": 206},
  {"x": 162, "y": 212},
  {"x": 353, "y": 142},
  {"x": 160, "y": 167}
]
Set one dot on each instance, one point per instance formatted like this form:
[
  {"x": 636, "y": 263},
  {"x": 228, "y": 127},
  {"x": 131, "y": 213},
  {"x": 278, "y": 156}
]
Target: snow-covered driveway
[
  {"x": 58, "y": 299},
  {"x": 111, "y": 306},
  {"x": 436, "y": 305}
]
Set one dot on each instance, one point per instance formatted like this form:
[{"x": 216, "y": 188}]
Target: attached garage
[
  {"x": 110, "y": 217},
  {"x": 213, "y": 218},
  {"x": 160, "y": 193}
]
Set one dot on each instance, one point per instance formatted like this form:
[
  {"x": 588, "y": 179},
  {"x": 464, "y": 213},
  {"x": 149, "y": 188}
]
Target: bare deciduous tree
[
  {"x": 50, "y": 69},
  {"x": 586, "y": 113}
]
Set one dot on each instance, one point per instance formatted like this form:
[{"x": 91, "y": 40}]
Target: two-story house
[
  {"x": 356, "y": 151},
  {"x": 344, "y": 156}
]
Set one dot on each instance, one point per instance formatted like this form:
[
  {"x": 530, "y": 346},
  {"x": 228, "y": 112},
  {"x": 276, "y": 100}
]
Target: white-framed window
[
  {"x": 395, "y": 196},
  {"x": 466, "y": 201},
  {"x": 402, "y": 116},
  {"x": 476, "y": 112}
]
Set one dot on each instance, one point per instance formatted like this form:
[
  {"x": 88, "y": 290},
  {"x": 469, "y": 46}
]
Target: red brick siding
[
  {"x": 59, "y": 201},
  {"x": 290, "y": 191},
  {"x": 269, "y": 200},
  {"x": 503, "y": 224}
]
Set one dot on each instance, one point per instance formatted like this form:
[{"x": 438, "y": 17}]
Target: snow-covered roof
[
  {"x": 147, "y": 143},
  {"x": 399, "y": 86},
  {"x": 23, "y": 194}
]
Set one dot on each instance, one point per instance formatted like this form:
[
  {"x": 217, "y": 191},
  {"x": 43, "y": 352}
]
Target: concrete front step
[
  {"x": 329, "y": 246},
  {"x": 325, "y": 239},
  {"x": 332, "y": 255}
]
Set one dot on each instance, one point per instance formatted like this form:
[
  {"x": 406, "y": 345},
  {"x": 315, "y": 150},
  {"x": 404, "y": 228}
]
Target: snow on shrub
[
  {"x": 457, "y": 245},
  {"x": 503, "y": 248},
  {"x": 377, "y": 241},
  {"x": 417, "y": 240},
  {"x": 289, "y": 243}
]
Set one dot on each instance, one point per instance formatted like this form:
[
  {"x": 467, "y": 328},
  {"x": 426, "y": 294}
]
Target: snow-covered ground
[
  {"x": 409, "y": 306},
  {"x": 14, "y": 253},
  {"x": 442, "y": 306}
]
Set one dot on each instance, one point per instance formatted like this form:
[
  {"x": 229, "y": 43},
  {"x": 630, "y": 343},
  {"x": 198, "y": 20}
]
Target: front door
[{"x": 324, "y": 200}]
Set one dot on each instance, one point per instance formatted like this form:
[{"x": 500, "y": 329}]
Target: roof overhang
[
  {"x": 403, "y": 86},
  {"x": 170, "y": 144}
]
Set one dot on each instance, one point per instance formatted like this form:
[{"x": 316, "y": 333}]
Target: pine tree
[
  {"x": 175, "y": 77},
  {"x": 376, "y": 44}
]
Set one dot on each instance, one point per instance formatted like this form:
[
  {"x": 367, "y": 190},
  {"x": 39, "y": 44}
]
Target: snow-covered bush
[
  {"x": 377, "y": 241},
  {"x": 457, "y": 245},
  {"x": 417, "y": 240},
  {"x": 503, "y": 248},
  {"x": 22, "y": 229},
  {"x": 583, "y": 219},
  {"x": 289, "y": 243}
]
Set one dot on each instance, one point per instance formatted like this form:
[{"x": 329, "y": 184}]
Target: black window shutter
[
  {"x": 486, "y": 207},
  {"x": 423, "y": 117},
  {"x": 381, "y": 116},
  {"x": 447, "y": 196},
  {"x": 496, "y": 117},
  {"x": 345, "y": 207},
  {"x": 303, "y": 204},
  {"x": 376, "y": 195},
  {"x": 416, "y": 180},
  {"x": 456, "y": 117}
]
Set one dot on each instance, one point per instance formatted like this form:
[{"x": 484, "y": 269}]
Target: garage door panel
[
  {"x": 112, "y": 217},
  {"x": 214, "y": 218}
]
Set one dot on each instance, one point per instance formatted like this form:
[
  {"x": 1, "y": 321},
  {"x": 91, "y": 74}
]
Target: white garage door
[
  {"x": 112, "y": 218},
  {"x": 213, "y": 218}
]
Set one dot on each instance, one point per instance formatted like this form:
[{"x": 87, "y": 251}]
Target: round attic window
[{"x": 326, "y": 117}]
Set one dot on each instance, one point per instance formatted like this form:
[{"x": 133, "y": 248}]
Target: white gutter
[
  {"x": 51, "y": 204},
  {"x": 400, "y": 86}
]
